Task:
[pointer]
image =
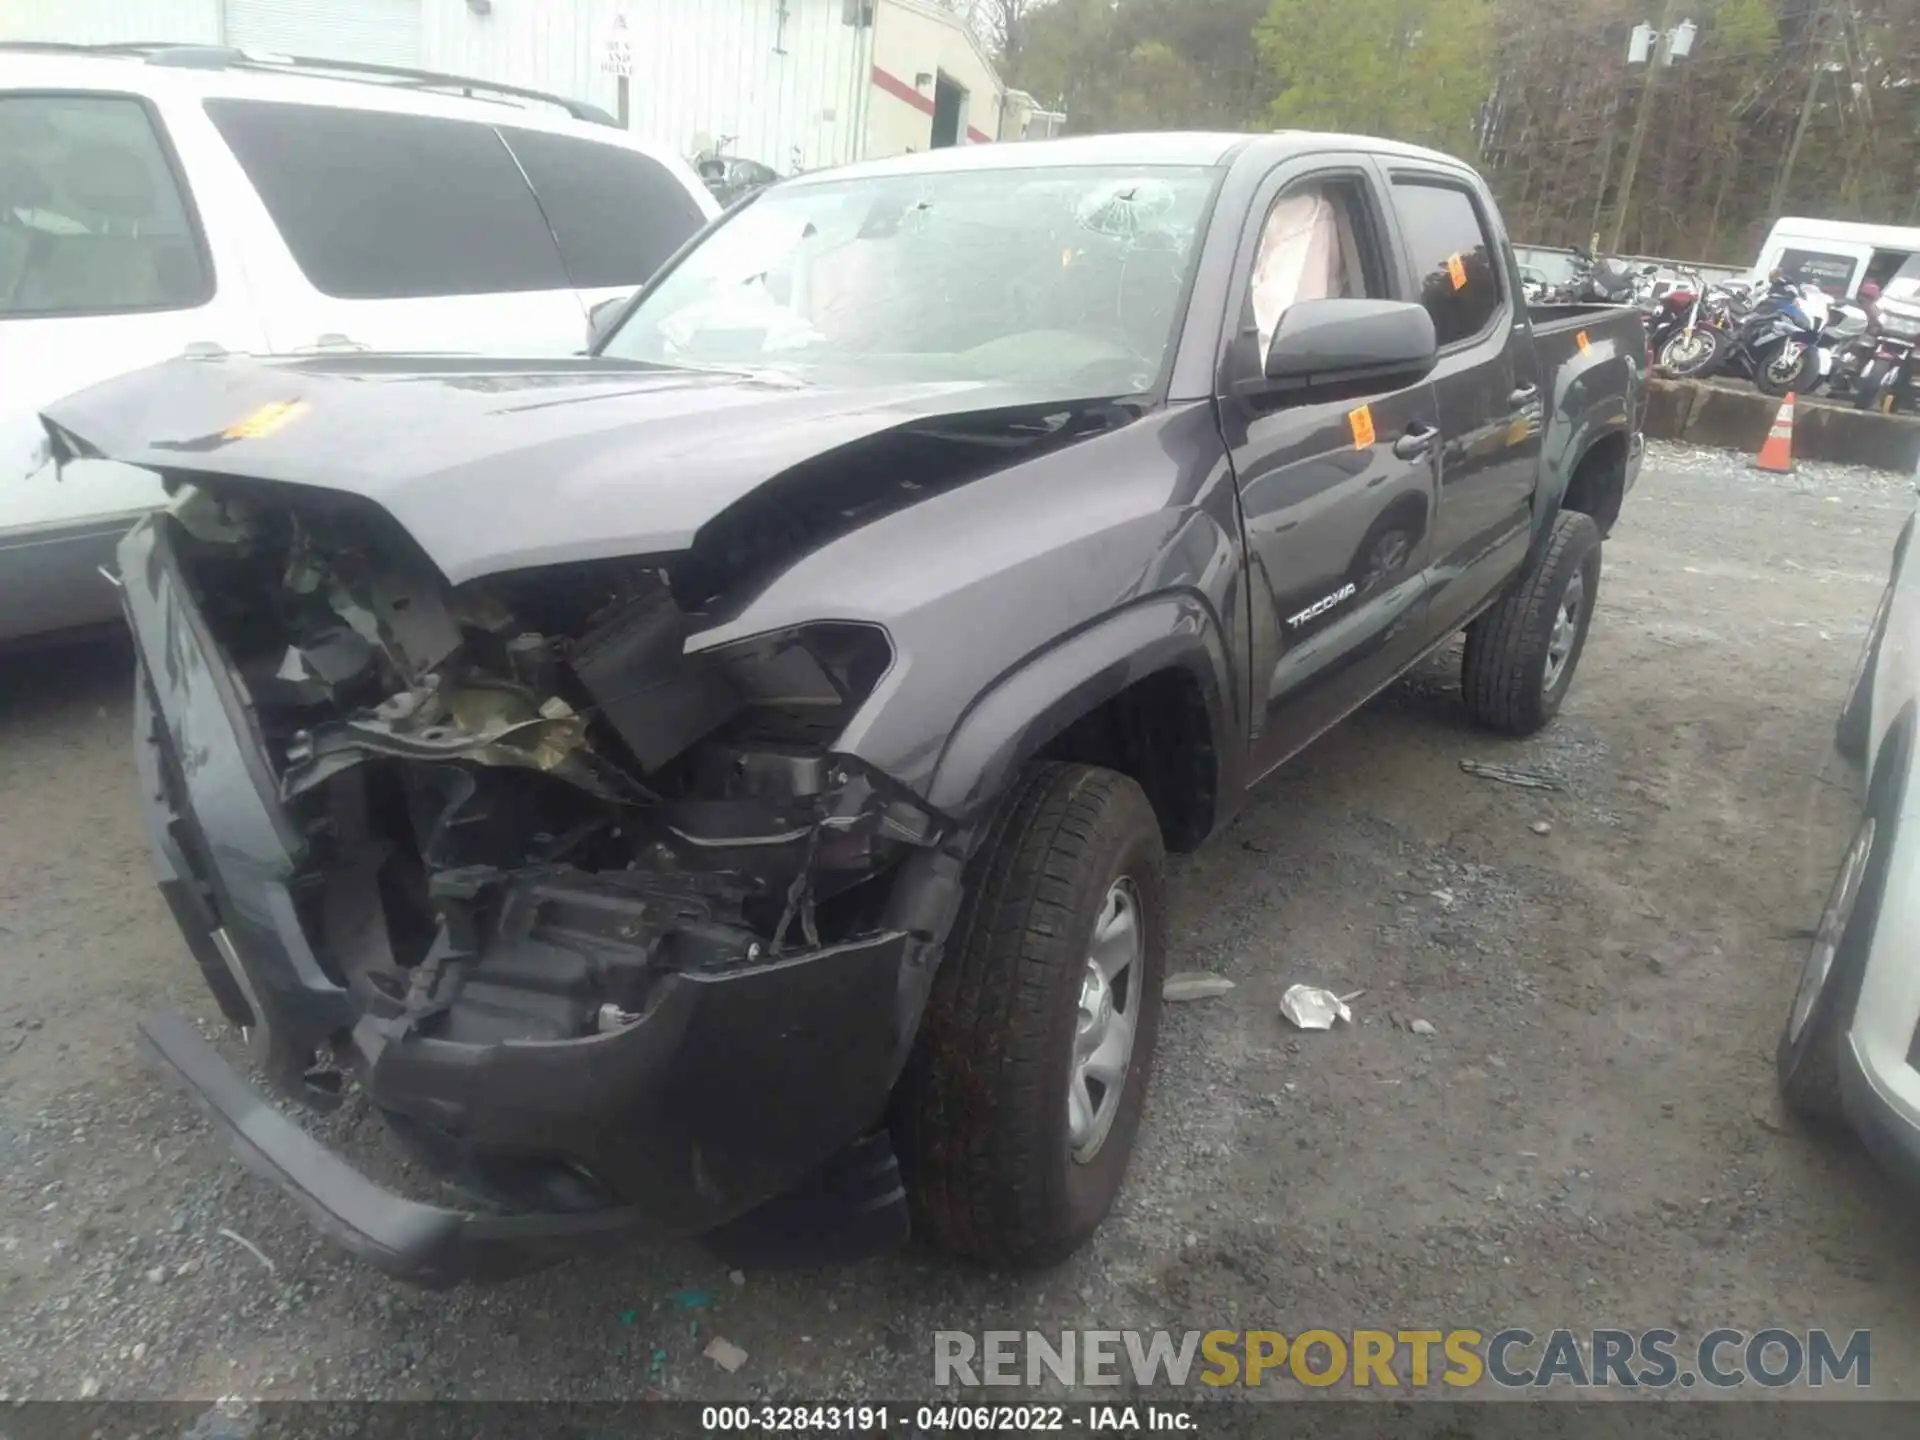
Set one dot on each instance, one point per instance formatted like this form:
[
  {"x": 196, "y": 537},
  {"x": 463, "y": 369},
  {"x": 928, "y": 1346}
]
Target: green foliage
[{"x": 1414, "y": 70}]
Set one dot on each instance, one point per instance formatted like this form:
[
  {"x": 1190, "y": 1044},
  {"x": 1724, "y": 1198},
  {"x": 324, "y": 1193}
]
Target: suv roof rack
[{"x": 224, "y": 57}]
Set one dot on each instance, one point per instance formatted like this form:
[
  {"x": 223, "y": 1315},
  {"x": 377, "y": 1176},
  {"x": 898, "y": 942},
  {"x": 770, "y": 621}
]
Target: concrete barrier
[{"x": 1727, "y": 418}]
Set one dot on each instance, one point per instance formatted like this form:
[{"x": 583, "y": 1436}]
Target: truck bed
[{"x": 1550, "y": 319}]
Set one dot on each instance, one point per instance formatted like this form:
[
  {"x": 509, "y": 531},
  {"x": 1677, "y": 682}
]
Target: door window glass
[
  {"x": 92, "y": 219},
  {"x": 1453, "y": 258},
  {"x": 379, "y": 206},
  {"x": 1309, "y": 249}
]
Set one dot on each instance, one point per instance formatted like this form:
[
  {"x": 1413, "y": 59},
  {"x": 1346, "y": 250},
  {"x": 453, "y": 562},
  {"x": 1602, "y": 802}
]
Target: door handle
[
  {"x": 1416, "y": 442},
  {"x": 1525, "y": 395}
]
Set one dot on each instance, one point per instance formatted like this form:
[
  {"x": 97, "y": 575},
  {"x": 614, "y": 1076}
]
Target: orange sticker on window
[
  {"x": 1457, "y": 269},
  {"x": 1582, "y": 341},
  {"x": 1361, "y": 423},
  {"x": 266, "y": 420}
]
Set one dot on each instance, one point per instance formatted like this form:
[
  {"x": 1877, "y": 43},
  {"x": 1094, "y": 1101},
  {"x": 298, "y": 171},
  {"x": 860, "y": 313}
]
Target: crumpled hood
[{"x": 494, "y": 466}]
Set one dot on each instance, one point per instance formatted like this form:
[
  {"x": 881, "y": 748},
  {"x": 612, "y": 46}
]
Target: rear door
[
  {"x": 617, "y": 213},
  {"x": 105, "y": 267},
  {"x": 1488, "y": 385},
  {"x": 1336, "y": 497},
  {"x": 400, "y": 232}
]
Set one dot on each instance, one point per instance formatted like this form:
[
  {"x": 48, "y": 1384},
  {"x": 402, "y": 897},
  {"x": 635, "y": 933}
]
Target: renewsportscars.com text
[{"x": 1406, "y": 1359}]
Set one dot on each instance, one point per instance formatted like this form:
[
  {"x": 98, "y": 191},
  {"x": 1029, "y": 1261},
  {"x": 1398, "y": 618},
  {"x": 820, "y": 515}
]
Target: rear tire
[
  {"x": 982, "y": 1114},
  {"x": 1521, "y": 654}
]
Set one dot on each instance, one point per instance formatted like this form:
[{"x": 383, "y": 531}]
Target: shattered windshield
[{"x": 1066, "y": 280}]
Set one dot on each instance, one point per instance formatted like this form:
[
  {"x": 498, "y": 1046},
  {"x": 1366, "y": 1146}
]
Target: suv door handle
[
  {"x": 1416, "y": 442},
  {"x": 1525, "y": 395}
]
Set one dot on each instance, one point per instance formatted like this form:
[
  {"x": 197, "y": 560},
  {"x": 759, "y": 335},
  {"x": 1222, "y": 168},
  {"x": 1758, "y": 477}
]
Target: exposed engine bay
[{"x": 523, "y": 801}]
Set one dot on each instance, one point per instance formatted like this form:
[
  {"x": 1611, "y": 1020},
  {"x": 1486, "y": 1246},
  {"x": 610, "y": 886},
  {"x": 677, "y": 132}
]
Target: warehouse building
[{"x": 795, "y": 84}]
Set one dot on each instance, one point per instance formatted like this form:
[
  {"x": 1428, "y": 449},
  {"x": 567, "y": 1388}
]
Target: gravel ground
[{"x": 1585, "y": 1138}]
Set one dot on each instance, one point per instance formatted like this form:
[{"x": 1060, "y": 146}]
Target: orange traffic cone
[{"x": 1777, "y": 454}]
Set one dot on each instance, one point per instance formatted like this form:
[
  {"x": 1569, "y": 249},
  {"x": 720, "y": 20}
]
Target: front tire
[
  {"x": 1776, "y": 375},
  {"x": 1850, "y": 730},
  {"x": 1017, "y": 1113},
  {"x": 1686, "y": 357},
  {"x": 1521, "y": 654}
]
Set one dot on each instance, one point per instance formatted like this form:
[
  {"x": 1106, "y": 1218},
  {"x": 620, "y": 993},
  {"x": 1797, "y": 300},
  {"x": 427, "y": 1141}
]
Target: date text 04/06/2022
[{"x": 878, "y": 1419}]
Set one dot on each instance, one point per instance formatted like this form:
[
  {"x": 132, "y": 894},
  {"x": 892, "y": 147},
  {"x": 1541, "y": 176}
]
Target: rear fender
[{"x": 1032, "y": 704}]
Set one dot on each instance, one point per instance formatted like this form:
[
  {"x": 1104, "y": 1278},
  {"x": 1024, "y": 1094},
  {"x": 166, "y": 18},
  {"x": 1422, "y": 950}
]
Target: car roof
[
  {"x": 1169, "y": 147},
  {"x": 133, "y": 72}
]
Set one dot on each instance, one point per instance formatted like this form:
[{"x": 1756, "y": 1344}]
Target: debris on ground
[
  {"x": 1312, "y": 1008},
  {"x": 1194, "y": 985},
  {"x": 1541, "y": 827},
  {"x": 251, "y": 1248},
  {"x": 693, "y": 1299},
  {"x": 1422, "y": 1027},
  {"x": 724, "y": 1353},
  {"x": 1507, "y": 775},
  {"x": 737, "y": 1277}
]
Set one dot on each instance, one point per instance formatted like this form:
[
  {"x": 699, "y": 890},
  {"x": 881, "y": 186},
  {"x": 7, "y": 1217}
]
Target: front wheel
[
  {"x": 1785, "y": 369},
  {"x": 1017, "y": 1113},
  {"x": 1685, "y": 355},
  {"x": 1521, "y": 654}
]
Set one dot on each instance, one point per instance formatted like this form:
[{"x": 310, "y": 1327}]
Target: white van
[
  {"x": 1837, "y": 255},
  {"x": 158, "y": 200}
]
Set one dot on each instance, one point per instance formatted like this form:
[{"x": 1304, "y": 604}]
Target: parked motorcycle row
[{"x": 1783, "y": 336}]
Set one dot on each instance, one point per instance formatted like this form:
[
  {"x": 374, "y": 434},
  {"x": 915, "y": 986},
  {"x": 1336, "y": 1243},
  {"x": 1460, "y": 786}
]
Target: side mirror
[
  {"x": 601, "y": 319},
  {"x": 1350, "y": 345}
]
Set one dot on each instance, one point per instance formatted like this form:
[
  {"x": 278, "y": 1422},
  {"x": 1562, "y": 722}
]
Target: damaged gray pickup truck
[{"x": 719, "y": 785}]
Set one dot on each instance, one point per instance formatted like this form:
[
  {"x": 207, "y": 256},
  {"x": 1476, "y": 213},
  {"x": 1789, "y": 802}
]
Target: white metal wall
[
  {"x": 379, "y": 32},
  {"x": 105, "y": 22},
  {"x": 786, "y": 92}
]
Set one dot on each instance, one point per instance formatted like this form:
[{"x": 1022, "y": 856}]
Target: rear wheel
[
  {"x": 1521, "y": 654},
  {"x": 1017, "y": 1113}
]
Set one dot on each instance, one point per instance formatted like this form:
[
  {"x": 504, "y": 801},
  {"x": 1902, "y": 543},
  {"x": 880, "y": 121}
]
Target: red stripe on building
[{"x": 901, "y": 90}]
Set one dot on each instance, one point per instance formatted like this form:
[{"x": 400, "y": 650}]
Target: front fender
[{"x": 1025, "y": 709}]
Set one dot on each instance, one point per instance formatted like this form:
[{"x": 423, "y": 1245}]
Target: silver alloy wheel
[
  {"x": 1833, "y": 925},
  {"x": 1684, "y": 350},
  {"x": 1109, "y": 1017},
  {"x": 1566, "y": 629}
]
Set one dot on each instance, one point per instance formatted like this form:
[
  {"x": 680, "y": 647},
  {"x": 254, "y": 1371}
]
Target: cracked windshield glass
[{"x": 1064, "y": 282}]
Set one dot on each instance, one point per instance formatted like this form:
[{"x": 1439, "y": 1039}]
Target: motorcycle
[
  {"x": 1885, "y": 381},
  {"x": 1696, "y": 343}
]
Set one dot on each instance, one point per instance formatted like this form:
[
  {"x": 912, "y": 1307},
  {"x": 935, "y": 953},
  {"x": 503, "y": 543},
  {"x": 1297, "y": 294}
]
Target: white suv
[{"x": 159, "y": 200}]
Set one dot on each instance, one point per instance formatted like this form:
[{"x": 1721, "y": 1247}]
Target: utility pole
[
  {"x": 1785, "y": 177},
  {"x": 1669, "y": 16}
]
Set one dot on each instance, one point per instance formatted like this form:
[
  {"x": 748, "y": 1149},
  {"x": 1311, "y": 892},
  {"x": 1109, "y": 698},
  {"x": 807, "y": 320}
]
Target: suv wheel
[
  {"x": 1018, "y": 1109},
  {"x": 1521, "y": 654},
  {"x": 1808, "y": 1058}
]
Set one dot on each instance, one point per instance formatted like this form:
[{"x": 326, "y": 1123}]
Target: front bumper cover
[{"x": 732, "y": 1088}]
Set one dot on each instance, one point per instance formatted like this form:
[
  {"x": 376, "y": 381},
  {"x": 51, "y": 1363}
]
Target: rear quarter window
[
  {"x": 1454, "y": 259},
  {"x": 377, "y": 206},
  {"x": 618, "y": 214}
]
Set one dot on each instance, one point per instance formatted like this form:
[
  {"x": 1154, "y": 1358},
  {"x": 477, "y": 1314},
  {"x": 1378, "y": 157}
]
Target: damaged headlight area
[{"x": 524, "y": 802}]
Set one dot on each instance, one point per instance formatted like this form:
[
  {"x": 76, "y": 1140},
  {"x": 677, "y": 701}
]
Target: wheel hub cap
[
  {"x": 1833, "y": 925},
  {"x": 1109, "y": 1016},
  {"x": 1566, "y": 629}
]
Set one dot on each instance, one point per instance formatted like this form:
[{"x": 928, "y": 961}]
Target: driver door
[{"x": 1337, "y": 498}]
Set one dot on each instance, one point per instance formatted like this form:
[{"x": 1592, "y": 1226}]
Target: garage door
[{"x": 383, "y": 32}]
